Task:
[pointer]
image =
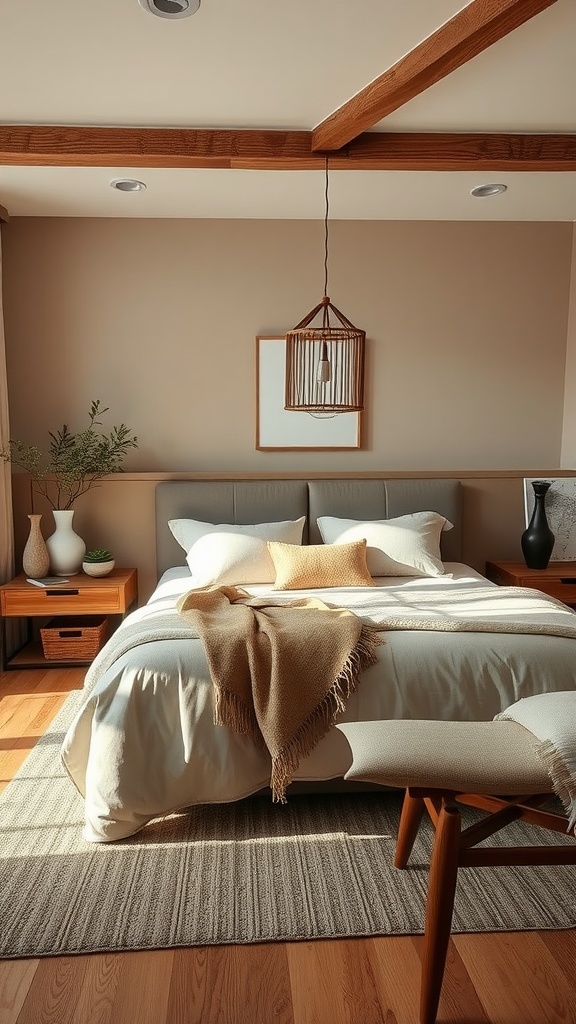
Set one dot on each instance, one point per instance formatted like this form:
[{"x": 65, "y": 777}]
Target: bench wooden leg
[
  {"x": 412, "y": 811},
  {"x": 439, "y": 908}
]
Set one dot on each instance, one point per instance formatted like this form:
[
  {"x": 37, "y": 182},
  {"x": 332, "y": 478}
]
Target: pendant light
[{"x": 325, "y": 363}]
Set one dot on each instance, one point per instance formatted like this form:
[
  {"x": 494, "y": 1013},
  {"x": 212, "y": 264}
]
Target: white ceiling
[{"x": 284, "y": 64}]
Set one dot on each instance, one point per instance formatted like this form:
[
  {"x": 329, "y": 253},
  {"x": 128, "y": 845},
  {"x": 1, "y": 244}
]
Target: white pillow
[
  {"x": 230, "y": 554},
  {"x": 406, "y": 546}
]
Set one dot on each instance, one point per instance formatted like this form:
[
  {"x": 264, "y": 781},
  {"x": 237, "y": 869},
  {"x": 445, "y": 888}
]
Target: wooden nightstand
[
  {"x": 558, "y": 580},
  {"x": 114, "y": 594}
]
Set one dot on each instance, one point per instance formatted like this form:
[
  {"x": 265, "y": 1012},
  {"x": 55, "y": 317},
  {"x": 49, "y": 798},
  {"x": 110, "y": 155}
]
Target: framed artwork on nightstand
[{"x": 280, "y": 430}]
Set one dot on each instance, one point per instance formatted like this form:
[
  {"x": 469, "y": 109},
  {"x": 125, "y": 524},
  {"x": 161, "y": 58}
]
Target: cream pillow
[
  {"x": 230, "y": 554},
  {"x": 406, "y": 546},
  {"x": 315, "y": 565}
]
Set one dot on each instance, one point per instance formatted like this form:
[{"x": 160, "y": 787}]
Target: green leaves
[
  {"x": 98, "y": 555},
  {"x": 75, "y": 461}
]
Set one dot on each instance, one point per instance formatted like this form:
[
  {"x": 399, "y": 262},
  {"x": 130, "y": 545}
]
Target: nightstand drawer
[
  {"x": 558, "y": 579},
  {"x": 562, "y": 589},
  {"x": 37, "y": 601}
]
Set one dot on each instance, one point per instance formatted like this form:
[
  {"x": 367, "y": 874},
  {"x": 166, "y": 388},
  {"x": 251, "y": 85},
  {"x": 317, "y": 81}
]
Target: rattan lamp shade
[{"x": 325, "y": 364}]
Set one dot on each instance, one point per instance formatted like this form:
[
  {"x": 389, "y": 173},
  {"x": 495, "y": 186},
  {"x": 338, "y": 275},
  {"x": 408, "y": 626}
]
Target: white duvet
[{"x": 144, "y": 743}]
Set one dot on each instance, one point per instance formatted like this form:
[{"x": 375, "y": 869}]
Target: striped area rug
[{"x": 317, "y": 867}]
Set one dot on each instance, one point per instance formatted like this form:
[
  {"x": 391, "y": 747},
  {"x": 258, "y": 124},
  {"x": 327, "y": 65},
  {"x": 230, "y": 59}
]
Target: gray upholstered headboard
[{"x": 269, "y": 501}]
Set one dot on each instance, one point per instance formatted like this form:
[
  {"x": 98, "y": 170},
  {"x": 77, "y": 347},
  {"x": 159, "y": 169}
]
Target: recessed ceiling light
[
  {"x": 170, "y": 8},
  {"x": 482, "y": 191},
  {"x": 128, "y": 185}
]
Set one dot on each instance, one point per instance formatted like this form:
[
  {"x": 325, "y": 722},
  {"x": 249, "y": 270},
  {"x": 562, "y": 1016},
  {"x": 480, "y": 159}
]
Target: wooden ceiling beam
[
  {"x": 66, "y": 146},
  {"x": 468, "y": 33},
  {"x": 35, "y": 145},
  {"x": 459, "y": 151}
]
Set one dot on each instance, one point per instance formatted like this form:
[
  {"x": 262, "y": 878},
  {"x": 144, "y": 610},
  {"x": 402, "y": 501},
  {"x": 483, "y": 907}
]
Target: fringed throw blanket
[
  {"x": 281, "y": 673},
  {"x": 551, "y": 717}
]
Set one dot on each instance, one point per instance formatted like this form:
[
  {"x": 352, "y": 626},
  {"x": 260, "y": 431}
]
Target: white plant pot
[
  {"x": 65, "y": 547},
  {"x": 98, "y": 568}
]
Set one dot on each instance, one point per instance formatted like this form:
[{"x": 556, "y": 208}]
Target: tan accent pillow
[{"x": 319, "y": 565}]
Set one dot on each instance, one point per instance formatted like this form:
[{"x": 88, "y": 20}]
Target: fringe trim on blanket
[
  {"x": 286, "y": 761},
  {"x": 230, "y": 711},
  {"x": 563, "y": 780}
]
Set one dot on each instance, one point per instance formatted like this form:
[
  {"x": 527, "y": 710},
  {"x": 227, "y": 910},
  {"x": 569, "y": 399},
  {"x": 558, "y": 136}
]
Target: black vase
[{"x": 538, "y": 540}]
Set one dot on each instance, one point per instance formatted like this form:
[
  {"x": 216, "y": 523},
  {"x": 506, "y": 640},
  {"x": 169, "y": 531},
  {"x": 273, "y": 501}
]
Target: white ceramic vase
[
  {"x": 35, "y": 557},
  {"x": 65, "y": 547}
]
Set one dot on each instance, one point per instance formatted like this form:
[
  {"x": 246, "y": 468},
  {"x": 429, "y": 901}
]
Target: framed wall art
[{"x": 279, "y": 430}]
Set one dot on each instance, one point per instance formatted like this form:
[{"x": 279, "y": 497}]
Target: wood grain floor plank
[
  {"x": 24, "y": 717},
  {"x": 16, "y": 682},
  {"x": 17, "y": 737},
  {"x": 59, "y": 680},
  {"x": 127, "y": 988},
  {"x": 96, "y": 996},
  {"x": 41, "y": 680},
  {"x": 141, "y": 984},
  {"x": 230, "y": 985},
  {"x": 53, "y": 995},
  {"x": 562, "y": 945},
  {"x": 15, "y": 980},
  {"x": 96, "y": 999},
  {"x": 12, "y": 707},
  {"x": 23, "y": 714},
  {"x": 517, "y": 978},
  {"x": 27, "y": 681},
  {"x": 396, "y": 968},
  {"x": 335, "y": 981}
]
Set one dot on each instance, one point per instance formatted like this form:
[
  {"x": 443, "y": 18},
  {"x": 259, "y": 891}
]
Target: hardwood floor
[{"x": 507, "y": 978}]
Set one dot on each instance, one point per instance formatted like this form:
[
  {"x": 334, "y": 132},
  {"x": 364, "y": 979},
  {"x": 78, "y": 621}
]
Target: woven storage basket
[{"x": 77, "y": 637}]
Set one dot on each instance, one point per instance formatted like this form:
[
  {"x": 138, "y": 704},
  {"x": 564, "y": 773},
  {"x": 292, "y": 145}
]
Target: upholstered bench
[{"x": 493, "y": 766}]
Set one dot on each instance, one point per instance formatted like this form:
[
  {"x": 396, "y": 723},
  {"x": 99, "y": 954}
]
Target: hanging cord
[
  {"x": 324, "y": 354},
  {"x": 325, "y": 301},
  {"x": 326, "y": 233}
]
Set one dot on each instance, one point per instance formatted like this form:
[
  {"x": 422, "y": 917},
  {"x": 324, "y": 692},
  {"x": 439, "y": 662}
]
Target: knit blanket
[
  {"x": 551, "y": 717},
  {"x": 281, "y": 672},
  {"x": 477, "y": 610}
]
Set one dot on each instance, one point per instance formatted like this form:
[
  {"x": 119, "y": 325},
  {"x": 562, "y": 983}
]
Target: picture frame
[{"x": 280, "y": 430}]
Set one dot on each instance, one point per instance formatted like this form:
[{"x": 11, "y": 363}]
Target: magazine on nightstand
[{"x": 47, "y": 581}]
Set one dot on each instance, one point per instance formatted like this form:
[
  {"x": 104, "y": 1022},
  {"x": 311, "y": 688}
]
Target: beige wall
[
  {"x": 467, "y": 339},
  {"x": 466, "y": 326}
]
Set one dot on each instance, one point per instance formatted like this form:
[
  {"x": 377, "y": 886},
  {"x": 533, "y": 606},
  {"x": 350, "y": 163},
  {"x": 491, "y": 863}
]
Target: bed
[{"x": 144, "y": 743}]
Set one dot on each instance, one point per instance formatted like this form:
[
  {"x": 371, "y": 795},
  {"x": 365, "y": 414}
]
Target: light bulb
[{"x": 323, "y": 374}]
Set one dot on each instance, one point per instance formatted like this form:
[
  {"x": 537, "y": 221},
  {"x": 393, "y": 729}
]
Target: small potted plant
[{"x": 98, "y": 562}]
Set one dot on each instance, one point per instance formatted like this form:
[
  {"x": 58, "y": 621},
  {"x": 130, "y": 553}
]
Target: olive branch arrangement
[{"x": 75, "y": 461}]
